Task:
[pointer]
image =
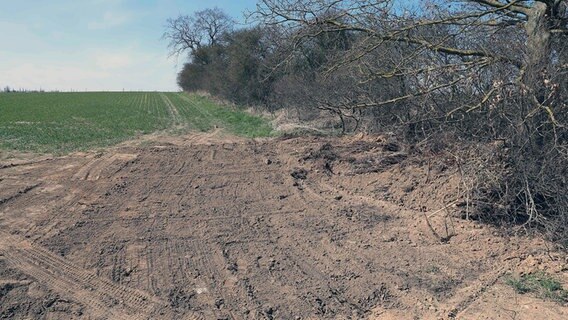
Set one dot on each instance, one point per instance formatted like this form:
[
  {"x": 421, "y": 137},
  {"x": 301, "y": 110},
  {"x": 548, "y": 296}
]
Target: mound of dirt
[
  {"x": 391, "y": 172},
  {"x": 299, "y": 228}
]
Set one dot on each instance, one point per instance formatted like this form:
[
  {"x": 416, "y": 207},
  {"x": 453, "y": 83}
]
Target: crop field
[{"x": 65, "y": 122}]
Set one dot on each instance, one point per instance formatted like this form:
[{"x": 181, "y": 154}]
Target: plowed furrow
[
  {"x": 96, "y": 307},
  {"x": 106, "y": 287},
  {"x": 62, "y": 275}
]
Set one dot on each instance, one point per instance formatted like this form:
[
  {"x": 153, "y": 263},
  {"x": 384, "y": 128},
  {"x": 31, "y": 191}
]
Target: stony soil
[{"x": 217, "y": 228}]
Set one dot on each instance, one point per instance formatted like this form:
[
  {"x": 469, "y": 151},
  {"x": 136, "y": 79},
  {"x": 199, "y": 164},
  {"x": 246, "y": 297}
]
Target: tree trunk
[{"x": 538, "y": 50}]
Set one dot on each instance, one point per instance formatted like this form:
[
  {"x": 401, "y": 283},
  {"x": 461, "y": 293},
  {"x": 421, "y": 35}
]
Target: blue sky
[{"x": 93, "y": 44}]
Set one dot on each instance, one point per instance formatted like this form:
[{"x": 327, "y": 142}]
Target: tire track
[
  {"x": 26, "y": 163},
  {"x": 211, "y": 262},
  {"x": 212, "y": 174},
  {"x": 197, "y": 108},
  {"x": 93, "y": 170},
  {"x": 102, "y": 297},
  {"x": 18, "y": 194},
  {"x": 172, "y": 109}
]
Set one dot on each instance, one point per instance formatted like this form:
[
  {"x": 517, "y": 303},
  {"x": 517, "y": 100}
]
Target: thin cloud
[
  {"x": 109, "y": 20},
  {"x": 50, "y": 77},
  {"x": 107, "y": 61},
  {"x": 99, "y": 69}
]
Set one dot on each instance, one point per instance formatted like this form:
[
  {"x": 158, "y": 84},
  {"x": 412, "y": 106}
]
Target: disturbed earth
[{"x": 207, "y": 227}]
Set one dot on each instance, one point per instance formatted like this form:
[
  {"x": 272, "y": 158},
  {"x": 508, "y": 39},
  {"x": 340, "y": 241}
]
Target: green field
[{"x": 65, "y": 122}]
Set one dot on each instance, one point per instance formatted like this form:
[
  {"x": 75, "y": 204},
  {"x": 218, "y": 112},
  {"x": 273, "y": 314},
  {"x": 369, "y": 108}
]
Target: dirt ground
[{"x": 212, "y": 227}]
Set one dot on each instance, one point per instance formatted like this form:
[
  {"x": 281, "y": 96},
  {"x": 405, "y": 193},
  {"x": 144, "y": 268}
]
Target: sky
[{"x": 94, "y": 45}]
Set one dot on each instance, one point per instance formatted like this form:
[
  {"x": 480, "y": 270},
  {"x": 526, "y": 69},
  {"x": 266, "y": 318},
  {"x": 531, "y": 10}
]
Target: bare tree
[
  {"x": 450, "y": 39},
  {"x": 214, "y": 22},
  {"x": 189, "y": 33}
]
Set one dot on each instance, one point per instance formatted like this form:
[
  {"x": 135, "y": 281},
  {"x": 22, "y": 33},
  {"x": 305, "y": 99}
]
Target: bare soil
[{"x": 212, "y": 227}]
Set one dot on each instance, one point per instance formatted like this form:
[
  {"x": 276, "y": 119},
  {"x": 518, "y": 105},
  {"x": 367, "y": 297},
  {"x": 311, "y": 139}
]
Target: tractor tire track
[
  {"x": 103, "y": 297},
  {"x": 172, "y": 110}
]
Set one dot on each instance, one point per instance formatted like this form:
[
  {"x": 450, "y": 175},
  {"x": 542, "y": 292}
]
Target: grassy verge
[{"x": 203, "y": 114}]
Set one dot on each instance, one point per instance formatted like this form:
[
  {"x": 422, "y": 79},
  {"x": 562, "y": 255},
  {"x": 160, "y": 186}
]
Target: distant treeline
[{"x": 7, "y": 89}]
